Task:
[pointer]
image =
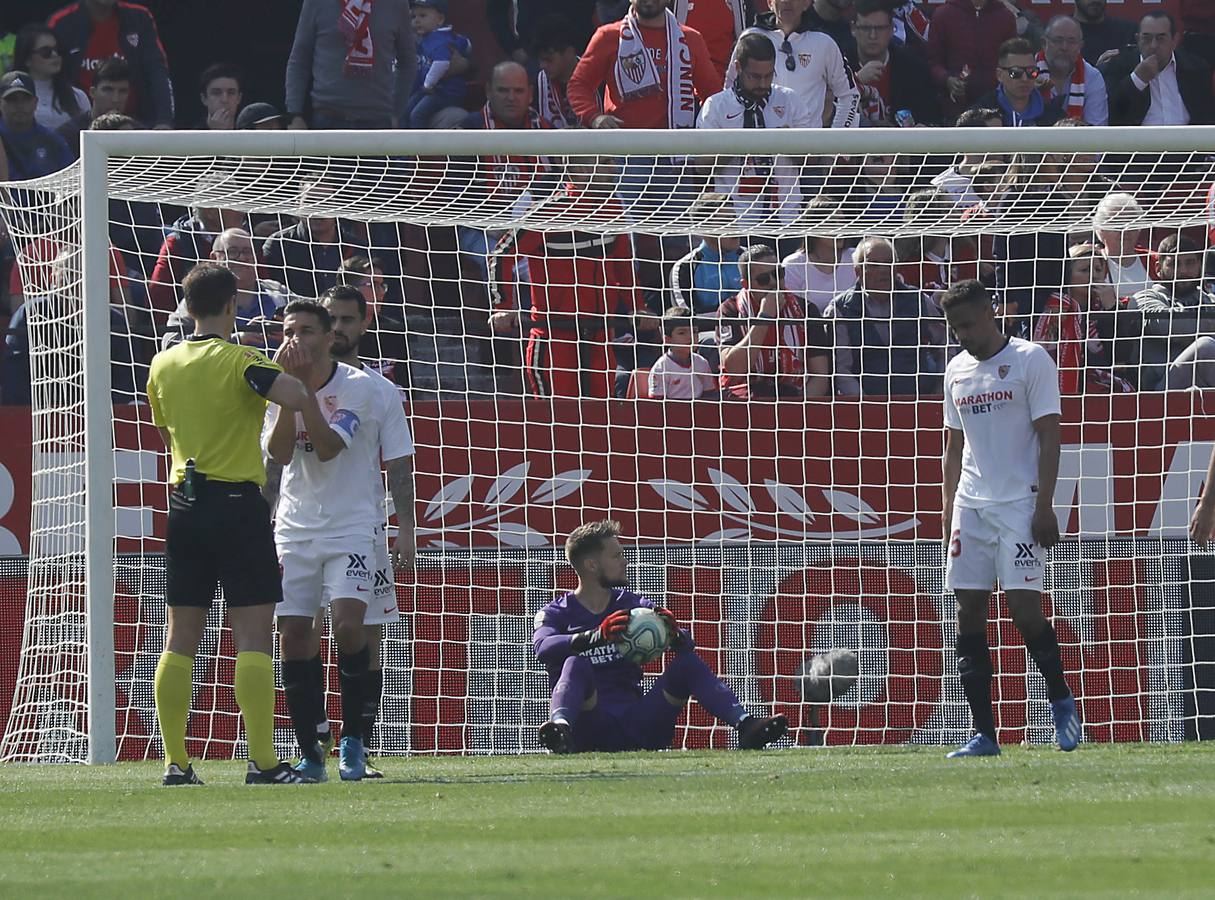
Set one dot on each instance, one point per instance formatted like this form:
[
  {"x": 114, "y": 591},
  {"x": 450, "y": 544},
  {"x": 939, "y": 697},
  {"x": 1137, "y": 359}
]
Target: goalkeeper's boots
[
  {"x": 1068, "y": 729},
  {"x": 312, "y": 769},
  {"x": 174, "y": 775},
  {"x": 755, "y": 733},
  {"x": 371, "y": 771},
  {"x": 352, "y": 759},
  {"x": 280, "y": 774},
  {"x": 979, "y": 745},
  {"x": 557, "y": 736}
]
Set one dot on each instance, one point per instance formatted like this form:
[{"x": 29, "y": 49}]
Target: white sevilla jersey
[
  {"x": 994, "y": 402},
  {"x": 344, "y": 496}
]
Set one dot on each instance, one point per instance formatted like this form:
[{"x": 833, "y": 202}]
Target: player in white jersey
[
  {"x": 347, "y": 308},
  {"x": 329, "y": 508},
  {"x": 1001, "y": 462}
]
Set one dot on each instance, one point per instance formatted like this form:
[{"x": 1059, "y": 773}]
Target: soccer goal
[{"x": 515, "y": 281}]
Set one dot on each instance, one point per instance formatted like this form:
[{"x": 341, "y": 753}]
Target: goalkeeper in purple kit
[{"x": 597, "y": 702}]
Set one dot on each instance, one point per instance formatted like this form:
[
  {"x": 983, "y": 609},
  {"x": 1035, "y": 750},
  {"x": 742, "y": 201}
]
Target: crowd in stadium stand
[{"x": 739, "y": 317}]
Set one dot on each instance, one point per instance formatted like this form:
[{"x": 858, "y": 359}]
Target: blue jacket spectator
[
  {"x": 32, "y": 150},
  {"x": 707, "y": 277}
]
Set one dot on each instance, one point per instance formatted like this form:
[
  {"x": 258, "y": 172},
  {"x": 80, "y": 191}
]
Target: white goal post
[{"x": 441, "y": 179}]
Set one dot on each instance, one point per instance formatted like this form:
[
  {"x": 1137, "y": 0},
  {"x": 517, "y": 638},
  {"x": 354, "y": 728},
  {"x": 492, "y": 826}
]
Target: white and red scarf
[
  {"x": 514, "y": 171},
  {"x": 355, "y": 25},
  {"x": 637, "y": 76},
  {"x": 1075, "y": 89},
  {"x": 552, "y": 102}
]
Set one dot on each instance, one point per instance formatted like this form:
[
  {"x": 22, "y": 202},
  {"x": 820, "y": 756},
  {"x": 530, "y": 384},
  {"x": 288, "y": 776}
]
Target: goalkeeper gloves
[
  {"x": 680, "y": 639},
  {"x": 609, "y": 631}
]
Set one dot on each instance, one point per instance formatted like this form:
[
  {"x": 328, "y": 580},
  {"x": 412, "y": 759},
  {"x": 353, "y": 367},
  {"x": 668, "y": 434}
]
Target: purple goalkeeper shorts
[{"x": 625, "y": 723}]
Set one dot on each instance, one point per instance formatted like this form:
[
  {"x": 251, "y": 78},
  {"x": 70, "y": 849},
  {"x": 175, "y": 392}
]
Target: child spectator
[
  {"x": 436, "y": 87},
  {"x": 1078, "y": 326},
  {"x": 681, "y": 373}
]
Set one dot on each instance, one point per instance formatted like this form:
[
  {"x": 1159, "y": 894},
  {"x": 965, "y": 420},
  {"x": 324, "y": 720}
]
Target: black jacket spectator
[
  {"x": 1171, "y": 322},
  {"x": 1128, "y": 104},
  {"x": 306, "y": 266},
  {"x": 138, "y": 42},
  {"x": 1111, "y": 33},
  {"x": 911, "y": 86}
]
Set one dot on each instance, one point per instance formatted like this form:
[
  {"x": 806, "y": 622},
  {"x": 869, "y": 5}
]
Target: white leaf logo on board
[
  {"x": 676, "y": 493},
  {"x": 852, "y": 506},
  {"x": 506, "y": 485},
  {"x": 446, "y": 500},
  {"x": 789, "y": 501},
  {"x": 518, "y": 535},
  {"x": 560, "y": 485},
  {"x": 727, "y": 536},
  {"x": 733, "y": 494}
]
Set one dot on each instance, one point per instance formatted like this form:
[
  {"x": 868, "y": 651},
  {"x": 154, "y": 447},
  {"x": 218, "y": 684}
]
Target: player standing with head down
[
  {"x": 208, "y": 398},
  {"x": 330, "y": 508},
  {"x": 1001, "y": 462},
  {"x": 348, "y": 308},
  {"x": 597, "y": 702}
]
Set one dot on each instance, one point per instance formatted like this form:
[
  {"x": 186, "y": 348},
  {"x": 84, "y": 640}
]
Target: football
[
  {"x": 828, "y": 676},
  {"x": 645, "y": 639}
]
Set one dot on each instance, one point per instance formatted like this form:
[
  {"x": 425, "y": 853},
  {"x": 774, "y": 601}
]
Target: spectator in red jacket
[
  {"x": 630, "y": 62},
  {"x": 963, "y": 44},
  {"x": 92, "y": 31}
]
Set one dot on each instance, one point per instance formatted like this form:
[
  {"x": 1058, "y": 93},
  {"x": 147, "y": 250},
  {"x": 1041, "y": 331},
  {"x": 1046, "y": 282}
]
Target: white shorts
[
  {"x": 994, "y": 543},
  {"x": 319, "y": 569},
  {"x": 382, "y": 608}
]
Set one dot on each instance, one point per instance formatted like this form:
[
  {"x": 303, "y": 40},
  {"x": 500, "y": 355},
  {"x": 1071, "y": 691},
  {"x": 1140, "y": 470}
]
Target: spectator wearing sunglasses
[
  {"x": 37, "y": 52},
  {"x": 809, "y": 63},
  {"x": 772, "y": 345},
  {"x": 1017, "y": 95}
]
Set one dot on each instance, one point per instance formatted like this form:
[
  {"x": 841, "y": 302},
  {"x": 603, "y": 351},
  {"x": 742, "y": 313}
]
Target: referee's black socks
[
  {"x": 352, "y": 677},
  {"x": 303, "y": 703},
  {"x": 975, "y": 671}
]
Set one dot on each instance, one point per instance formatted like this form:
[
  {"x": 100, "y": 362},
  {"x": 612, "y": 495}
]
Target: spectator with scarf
[
  {"x": 1070, "y": 76},
  {"x": 355, "y": 60},
  {"x": 631, "y": 63},
  {"x": 1079, "y": 326},
  {"x": 809, "y": 63},
  {"x": 556, "y": 52},
  {"x": 1017, "y": 96},
  {"x": 764, "y": 189}
]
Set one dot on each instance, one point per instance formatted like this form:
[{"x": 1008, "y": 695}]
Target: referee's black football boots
[{"x": 174, "y": 775}]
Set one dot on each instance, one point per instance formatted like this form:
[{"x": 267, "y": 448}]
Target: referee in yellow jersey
[{"x": 208, "y": 398}]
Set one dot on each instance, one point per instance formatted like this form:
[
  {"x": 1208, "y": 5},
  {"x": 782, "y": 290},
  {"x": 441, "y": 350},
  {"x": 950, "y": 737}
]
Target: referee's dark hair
[
  {"x": 964, "y": 293},
  {"x": 349, "y": 293},
  {"x": 208, "y": 288},
  {"x": 312, "y": 308}
]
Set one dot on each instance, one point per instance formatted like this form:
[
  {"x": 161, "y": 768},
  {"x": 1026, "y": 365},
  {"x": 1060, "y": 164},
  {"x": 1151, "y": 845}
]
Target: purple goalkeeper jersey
[{"x": 558, "y": 622}]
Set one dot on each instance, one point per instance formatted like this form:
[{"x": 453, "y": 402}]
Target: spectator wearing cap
[
  {"x": 260, "y": 117},
  {"x": 221, "y": 91},
  {"x": 33, "y": 150},
  {"x": 354, "y": 60},
  {"x": 1156, "y": 83},
  {"x": 109, "y": 93},
  {"x": 1104, "y": 35},
  {"x": 891, "y": 78},
  {"x": 1017, "y": 97},
  {"x": 436, "y": 86},
  {"x": 96, "y": 30}
]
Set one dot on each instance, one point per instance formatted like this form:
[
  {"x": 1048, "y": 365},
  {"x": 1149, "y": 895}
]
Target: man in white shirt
[
  {"x": 330, "y": 505},
  {"x": 764, "y": 189},
  {"x": 1156, "y": 83},
  {"x": 999, "y": 470},
  {"x": 822, "y": 267},
  {"x": 809, "y": 63}
]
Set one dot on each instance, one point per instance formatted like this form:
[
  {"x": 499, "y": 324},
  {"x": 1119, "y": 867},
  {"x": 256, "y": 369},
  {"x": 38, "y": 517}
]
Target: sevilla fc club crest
[
  {"x": 804, "y": 59},
  {"x": 1003, "y": 370},
  {"x": 133, "y": 39},
  {"x": 633, "y": 66}
]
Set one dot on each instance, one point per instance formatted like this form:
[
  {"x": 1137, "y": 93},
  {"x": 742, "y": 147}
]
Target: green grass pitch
[{"x": 1103, "y": 821}]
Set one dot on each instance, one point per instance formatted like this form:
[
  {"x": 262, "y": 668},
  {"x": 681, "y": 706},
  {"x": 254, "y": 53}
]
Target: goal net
[{"x": 516, "y": 282}]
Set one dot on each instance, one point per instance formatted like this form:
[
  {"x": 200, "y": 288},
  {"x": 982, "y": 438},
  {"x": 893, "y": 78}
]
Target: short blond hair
[{"x": 587, "y": 540}]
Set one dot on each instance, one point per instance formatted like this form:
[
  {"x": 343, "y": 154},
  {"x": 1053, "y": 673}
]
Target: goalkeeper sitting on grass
[{"x": 597, "y": 702}]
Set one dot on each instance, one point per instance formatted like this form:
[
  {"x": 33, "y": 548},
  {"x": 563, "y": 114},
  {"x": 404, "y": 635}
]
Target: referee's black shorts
[{"x": 223, "y": 536}]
